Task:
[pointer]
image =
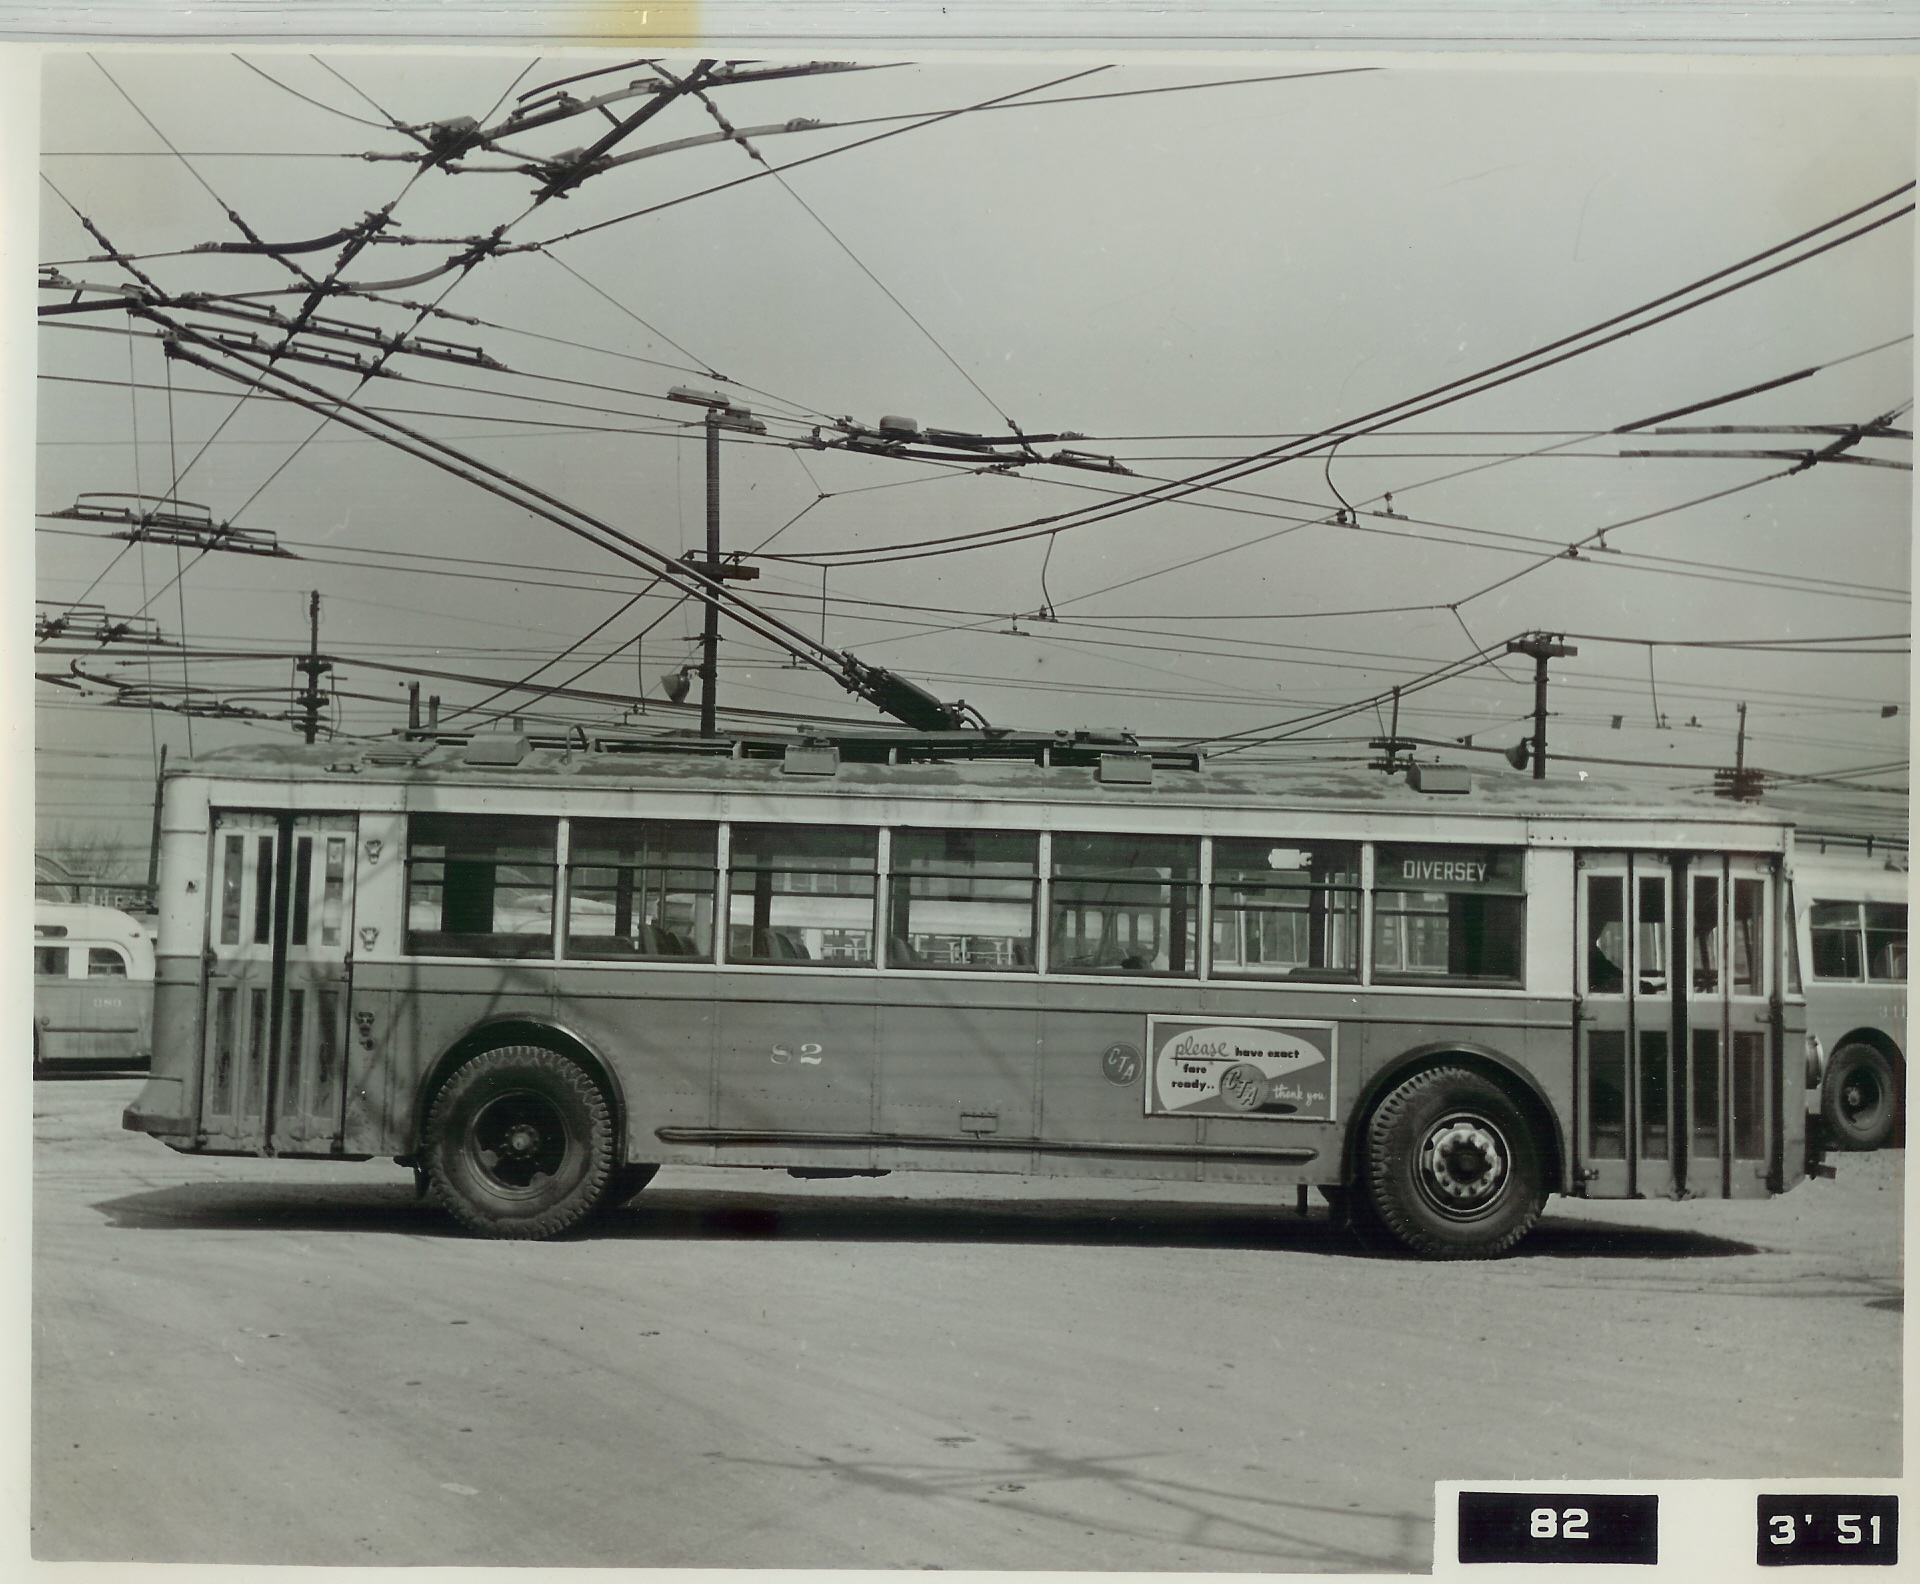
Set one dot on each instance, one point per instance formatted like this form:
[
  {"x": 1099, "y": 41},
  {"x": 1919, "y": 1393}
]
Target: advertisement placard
[{"x": 1280, "y": 1071}]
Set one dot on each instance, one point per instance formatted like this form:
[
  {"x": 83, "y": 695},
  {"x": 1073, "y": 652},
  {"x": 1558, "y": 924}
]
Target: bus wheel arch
[
  {"x": 1519, "y": 1085},
  {"x": 500, "y": 1032},
  {"x": 1453, "y": 1165},
  {"x": 1863, "y": 1096}
]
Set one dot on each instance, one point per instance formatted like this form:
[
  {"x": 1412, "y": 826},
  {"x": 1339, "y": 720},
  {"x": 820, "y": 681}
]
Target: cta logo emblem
[{"x": 1121, "y": 1065}]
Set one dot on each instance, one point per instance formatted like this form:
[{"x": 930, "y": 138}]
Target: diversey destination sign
[{"x": 1277, "y": 1071}]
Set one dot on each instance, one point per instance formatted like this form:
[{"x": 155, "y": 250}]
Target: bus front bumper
[{"x": 160, "y": 1110}]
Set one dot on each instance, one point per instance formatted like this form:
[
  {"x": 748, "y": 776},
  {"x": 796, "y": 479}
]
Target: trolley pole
[
  {"x": 710, "y": 630},
  {"x": 153, "y": 847},
  {"x": 1543, "y": 647},
  {"x": 313, "y": 668},
  {"x": 722, "y": 413}
]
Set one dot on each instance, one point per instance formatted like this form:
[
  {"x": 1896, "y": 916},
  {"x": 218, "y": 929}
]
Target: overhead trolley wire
[{"x": 1588, "y": 339}]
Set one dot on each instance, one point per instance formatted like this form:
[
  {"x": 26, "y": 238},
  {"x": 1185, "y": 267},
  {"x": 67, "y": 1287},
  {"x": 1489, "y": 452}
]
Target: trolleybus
[
  {"x": 1851, "y": 914},
  {"x": 92, "y": 988},
  {"x": 537, "y": 971}
]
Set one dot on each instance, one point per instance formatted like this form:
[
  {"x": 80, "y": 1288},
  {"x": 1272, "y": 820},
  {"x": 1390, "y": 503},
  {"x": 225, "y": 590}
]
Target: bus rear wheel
[
  {"x": 1452, "y": 1166},
  {"x": 519, "y": 1143},
  {"x": 1861, "y": 1098}
]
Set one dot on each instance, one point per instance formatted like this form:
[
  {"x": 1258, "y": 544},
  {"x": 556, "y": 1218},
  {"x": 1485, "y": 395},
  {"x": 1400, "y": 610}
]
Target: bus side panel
[
  {"x": 959, "y": 1058},
  {"x": 795, "y": 1053},
  {"x": 98, "y": 1020},
  {"x": 1083, "y": 1098},
  {"x": 373, "y": 1090},
  {"x": 415, "y": 1012},
  {"x": 653, "y": 1027}
]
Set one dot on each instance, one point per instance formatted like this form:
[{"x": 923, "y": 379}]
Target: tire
[
  {"x": 519, "y": 1143},
  {"x": 1860, "y": 1099},
  {"x": 623, "y": 1182},
  {"x": 1452, "y": 1166}
]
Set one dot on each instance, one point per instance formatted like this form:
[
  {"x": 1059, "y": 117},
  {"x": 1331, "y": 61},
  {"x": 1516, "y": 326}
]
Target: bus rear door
[{"x": 278, "y": 982}]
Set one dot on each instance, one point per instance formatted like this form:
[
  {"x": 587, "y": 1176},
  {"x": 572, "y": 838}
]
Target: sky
[{"x": 1180, "y": 263}]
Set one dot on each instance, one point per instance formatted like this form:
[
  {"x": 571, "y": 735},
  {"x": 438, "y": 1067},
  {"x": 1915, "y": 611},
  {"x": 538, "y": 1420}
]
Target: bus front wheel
[
  {"x": 519, "y": 1143},
  {"x": 1861, "y": 1098},
  {"x": 1452, "y": 1166}
]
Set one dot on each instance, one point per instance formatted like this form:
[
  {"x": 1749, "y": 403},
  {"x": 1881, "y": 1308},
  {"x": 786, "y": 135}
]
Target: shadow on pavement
[
  {"x": 1123, "y": 1496},
  {"x": 688, "y": 1214}
]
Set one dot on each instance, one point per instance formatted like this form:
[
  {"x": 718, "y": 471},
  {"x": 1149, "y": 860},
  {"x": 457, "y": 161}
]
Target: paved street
[{"x": 244, "y": 1361}]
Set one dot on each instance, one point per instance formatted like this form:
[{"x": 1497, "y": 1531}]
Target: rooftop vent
[
  {"x": 1118, "y": 769},
  {"x": 1439, "y": 778},
  {"x": 498, "y": 749},
  {"x": 811, "y": 759}
]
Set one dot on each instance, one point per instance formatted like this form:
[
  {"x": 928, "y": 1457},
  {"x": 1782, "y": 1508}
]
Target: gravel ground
[{"x": 252, "y": 1361}]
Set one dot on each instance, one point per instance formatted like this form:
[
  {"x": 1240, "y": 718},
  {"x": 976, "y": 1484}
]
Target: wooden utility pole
[
  {"x": 313, "y": 667},
  {"x": 1543, "y": 647},
  {"x": 722, "y": 413}
]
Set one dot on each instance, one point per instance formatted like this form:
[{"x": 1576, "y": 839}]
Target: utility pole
[
  {"x": 1740, "y": 782},
  {"x": 1543, "y": 647},
  {"x": 722, "y": 413},
  {"x": 313, "y": 667}
]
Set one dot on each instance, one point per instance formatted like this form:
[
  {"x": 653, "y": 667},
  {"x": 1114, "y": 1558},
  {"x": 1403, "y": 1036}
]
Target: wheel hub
[
  {"x": 1464, "y": 1162},
  {"x": 518, "y": 1140}
]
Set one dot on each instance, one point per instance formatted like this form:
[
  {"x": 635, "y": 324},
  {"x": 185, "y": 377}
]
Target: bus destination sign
[{"x": 1279, "y": 1071}]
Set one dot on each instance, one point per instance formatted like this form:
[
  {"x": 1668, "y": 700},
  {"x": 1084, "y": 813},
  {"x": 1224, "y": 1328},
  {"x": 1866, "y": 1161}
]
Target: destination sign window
[
  {"x": 640, "y": 888},
  {"x": 1286, "y": 909},
  {"x": 480, "y": 885},
  {"x": 1125, "y": 904},
  {"x": 1454, "y": 915},
  {"x": 801, "y": 894},
  {"x": 962, "y": 899}
]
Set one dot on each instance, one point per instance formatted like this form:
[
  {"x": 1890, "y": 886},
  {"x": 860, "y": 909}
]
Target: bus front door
[
  {"x": 1729, "y": 1017},
  {"x": 1625, "y": 1022},
  {"x": 278, "y": 977}
]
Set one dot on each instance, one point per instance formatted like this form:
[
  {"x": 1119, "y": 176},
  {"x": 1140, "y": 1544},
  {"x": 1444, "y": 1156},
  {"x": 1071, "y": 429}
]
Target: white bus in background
[
  {"x": 92, "y": 988},
  {"x": 1850, "y": 909}
]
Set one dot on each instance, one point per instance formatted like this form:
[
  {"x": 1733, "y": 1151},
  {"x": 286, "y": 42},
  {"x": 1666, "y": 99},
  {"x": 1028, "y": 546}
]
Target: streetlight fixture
[{"x": 722, "y": 413}]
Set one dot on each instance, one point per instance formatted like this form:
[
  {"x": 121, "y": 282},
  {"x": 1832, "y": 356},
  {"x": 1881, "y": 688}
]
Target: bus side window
[
  {"x": 640, "y": 888},
  {"x": 1607, "y": 935},
  {"x": 1706, "y": 934},
  {"x": 962, "y": 899},
  {"x": 802, "y": 893},
  {"x": 1125, "y": 904},
  {"x": 1449, "y": 914},
  {"x": 1835, "y": 928},
  {"x": 1887, "y": 941},
  {"x": 1283, "y": 909},
  {"x": 1749, "y": 938},
  {"x": 50, "y": 962},
  {"x": 104, "y": 962},
  {"x": 480, "y": 885},
  {"x": 1793, "y": 942}
]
